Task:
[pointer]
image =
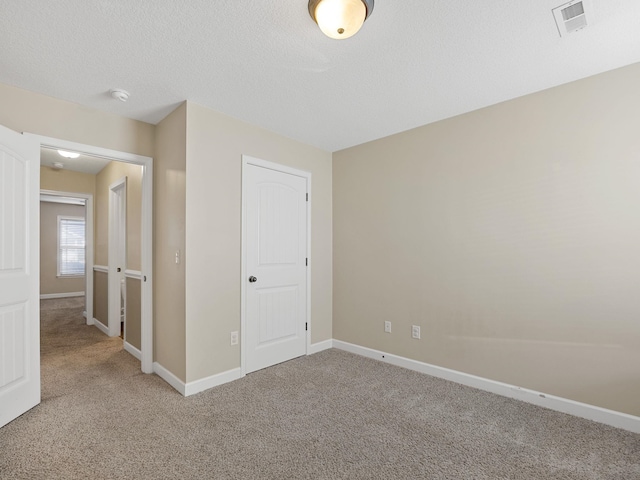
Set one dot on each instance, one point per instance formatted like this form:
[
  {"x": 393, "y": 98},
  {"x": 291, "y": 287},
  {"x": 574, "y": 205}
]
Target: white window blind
[{"x": 71, "y": 246}]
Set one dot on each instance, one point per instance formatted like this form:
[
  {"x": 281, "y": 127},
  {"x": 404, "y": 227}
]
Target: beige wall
[
  {"x": 100, "y": 300},
  {"x": 168, "y": 237},
  {"x": 132, "y": 325},
  {"x": 49, "y": 280},
  {"x": 510, "y": 235},
  {"x": 67, "y": 181},
  {"x": 111, "y": 173},
  {"x": 25, "y": 111},
  {"x": 215, "y": 145}
]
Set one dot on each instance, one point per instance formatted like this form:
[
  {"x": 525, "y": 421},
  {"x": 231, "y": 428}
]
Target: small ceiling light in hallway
[
  {"x": 340, "y": 19},
  {"x": 66, "y": 154}
]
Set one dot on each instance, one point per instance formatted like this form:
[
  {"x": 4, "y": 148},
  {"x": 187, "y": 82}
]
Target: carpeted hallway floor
[{"x": 332, "y": 415}]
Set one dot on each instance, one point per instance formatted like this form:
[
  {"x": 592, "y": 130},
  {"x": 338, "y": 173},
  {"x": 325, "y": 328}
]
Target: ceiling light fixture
[
  {"x": 340, "y": 19},
  {"x": 68, "y": 154}
]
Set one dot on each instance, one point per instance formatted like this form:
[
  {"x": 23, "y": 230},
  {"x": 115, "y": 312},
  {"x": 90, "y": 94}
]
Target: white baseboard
[
  {"x": 132, "y": 350},
  {"x": 103, "y": 328},
  {"x": 46, "y": 296},
  {"x": 197, "y": 386},
  {"x": 319, "y": 347},
  {"x": 590, "y": 412},
  {"x": 169, "y": 377},
  {"x": 213, "y": 381}
]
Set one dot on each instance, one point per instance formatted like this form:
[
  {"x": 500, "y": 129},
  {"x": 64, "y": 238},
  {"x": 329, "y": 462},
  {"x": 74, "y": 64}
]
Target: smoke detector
[
  {"x": 119, "y": 94},
  {"x": 571, "y": 16},
  {"x": 57, "y": 165}
]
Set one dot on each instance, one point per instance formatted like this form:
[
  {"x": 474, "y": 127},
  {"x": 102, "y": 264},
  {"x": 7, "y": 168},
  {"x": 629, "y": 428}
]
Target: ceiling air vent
[{"x": 571, "y": 16}]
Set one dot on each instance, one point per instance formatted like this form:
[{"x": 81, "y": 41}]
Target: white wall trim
[
  {"x": 103, "y": 328},
  {"x": 319, "y": 347},
  {"x": 133, "y": 274},
  {"x": 590, "y": 412},
  {"x": 101, "y": 268},
  {"x": 45, "y": 296},
  {"x": 197, "y": 386},
  {"x": 213, "y": 381},
  {"x": 169, "y": 377},
  {"x": 132, "y": 350}
]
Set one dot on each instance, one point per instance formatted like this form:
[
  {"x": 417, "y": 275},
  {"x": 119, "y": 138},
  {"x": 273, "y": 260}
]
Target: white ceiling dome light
[
  {"x": 66, "y": 154},
  {"x": 340, "y": 19}
]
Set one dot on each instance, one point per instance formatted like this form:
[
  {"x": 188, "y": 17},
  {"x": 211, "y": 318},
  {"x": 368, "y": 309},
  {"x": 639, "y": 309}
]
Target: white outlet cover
[
  {"x": 387, "y": 327},
  {"x": 415, "y": 331}
]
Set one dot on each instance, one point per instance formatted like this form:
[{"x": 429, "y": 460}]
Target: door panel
[
  {"x": 276, "y": 243},
  {"x": 277, "y": 314},
  {"x": 19, "y": 275},
  {"x": 117, "y": 255},
  {"x": 13, "y": 331}
]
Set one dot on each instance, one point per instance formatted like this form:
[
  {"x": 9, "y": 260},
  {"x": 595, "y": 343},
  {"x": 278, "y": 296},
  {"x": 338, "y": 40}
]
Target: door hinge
[
  {"x": 306, "y": 262},
  {"x": 307, "y": 197},
  {"x": 306, "y": 326}
]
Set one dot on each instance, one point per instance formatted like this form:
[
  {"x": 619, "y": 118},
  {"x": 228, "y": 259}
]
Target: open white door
[
  {"x": 19, "y": 274},
  {"x": 275, "y": 241},
  {"x": 117, "y": 253}
]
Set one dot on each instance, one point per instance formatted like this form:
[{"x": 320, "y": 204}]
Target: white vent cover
[{"x": 571, "y": 16}]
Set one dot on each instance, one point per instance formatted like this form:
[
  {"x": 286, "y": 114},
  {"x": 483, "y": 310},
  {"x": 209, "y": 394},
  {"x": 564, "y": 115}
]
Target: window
[{"x": 71, "y": 246}]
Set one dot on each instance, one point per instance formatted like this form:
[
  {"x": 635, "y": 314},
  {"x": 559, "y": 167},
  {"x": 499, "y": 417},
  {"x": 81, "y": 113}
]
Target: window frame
[{"x": 62, "y": 218}]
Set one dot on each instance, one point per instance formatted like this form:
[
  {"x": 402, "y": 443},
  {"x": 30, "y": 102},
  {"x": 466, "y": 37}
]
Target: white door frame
[
  {"x": 88, "y": 235},
  {"x": 146, "y": 300},
  {"x": 248, "y": 160},
  {"x": 117, "y": 219}
]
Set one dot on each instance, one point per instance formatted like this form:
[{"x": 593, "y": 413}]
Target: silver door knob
[{"x": 253, "y": 279}]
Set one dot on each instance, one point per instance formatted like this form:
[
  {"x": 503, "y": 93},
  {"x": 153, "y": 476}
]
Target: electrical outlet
[
  {"x": 415, "y": 332},
  {"x": 387, "y": 327},
  {"x": 234, "y": 338}
]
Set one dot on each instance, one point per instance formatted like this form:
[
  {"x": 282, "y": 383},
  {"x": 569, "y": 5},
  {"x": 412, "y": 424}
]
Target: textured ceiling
[{"x": 266, "y": 62}]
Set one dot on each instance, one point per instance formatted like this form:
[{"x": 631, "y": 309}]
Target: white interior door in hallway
[
  {"x": 117, "y": 256},
  {"x": 275, "y": 314},
  {"x": 19, "y": 274}
]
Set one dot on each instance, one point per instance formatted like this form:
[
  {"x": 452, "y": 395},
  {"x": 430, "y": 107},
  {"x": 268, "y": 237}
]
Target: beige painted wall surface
[
  {"x": 67, "y": 181},
  {"x": 510, "y": 235},
  {"x": 215, "y": 144},
  {"x": 25, "y": 111},
  {"x": 113, "y": 172},
  {"x": 132, "y": 325},
  {"x": 49, "y": 281},
  {"x": 169, "y": 236},
  {"x": 100, "y": 297}
]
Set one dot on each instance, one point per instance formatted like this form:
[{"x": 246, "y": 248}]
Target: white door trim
[
  {"x": 146, "y": 299},
  {"x": 248, "y": 160},
  {"x": 88, "y": 260},
  {"x": 117, "y": 221}
]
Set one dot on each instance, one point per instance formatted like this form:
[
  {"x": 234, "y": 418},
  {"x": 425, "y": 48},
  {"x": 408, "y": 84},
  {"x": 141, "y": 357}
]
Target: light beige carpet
[{"x": 332, "y": 415}]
